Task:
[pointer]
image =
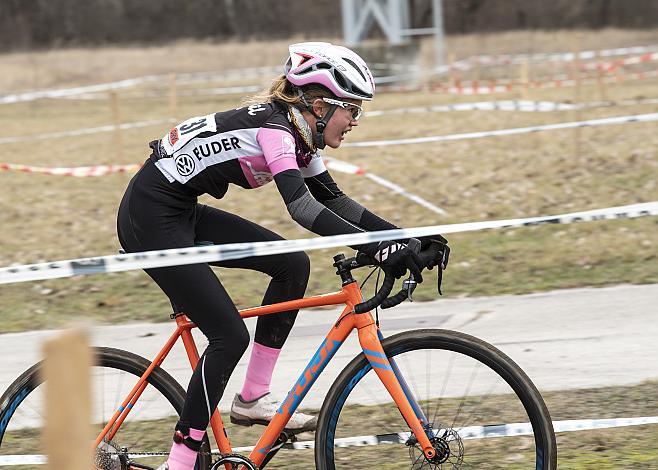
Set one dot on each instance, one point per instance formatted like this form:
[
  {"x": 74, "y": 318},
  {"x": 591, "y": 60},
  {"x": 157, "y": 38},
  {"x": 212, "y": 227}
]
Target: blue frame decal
[{"x": 308, "y": 377}]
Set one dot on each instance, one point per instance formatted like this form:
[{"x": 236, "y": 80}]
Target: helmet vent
[
  {"x": 340, "y": 80},
  {"x": 351, "y": 62},
  {"x": 306, "y": 70},
  {"x": 358, "y": 91}
]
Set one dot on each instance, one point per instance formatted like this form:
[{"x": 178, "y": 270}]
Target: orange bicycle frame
[{"x": 369, "y": 339}]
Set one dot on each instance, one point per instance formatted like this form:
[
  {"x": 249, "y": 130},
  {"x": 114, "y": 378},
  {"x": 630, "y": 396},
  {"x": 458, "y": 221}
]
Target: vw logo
[{"x": 184, "y": 164}]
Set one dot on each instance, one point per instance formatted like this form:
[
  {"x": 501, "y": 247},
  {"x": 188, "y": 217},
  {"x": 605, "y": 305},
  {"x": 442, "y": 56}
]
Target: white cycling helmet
[{"x": 339, "y": 69}]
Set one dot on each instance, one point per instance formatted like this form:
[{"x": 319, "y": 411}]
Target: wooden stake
[
  {"x": 524, "y": 79},
  {"x": 116, "y": 121},
  {"x": 173, "y": 98},
  {"x": 453, "y": 72},
  {"x": 68, "y": 430},
  {"x": 577, "y": 92},
  {"x": 603, "y": 96}
]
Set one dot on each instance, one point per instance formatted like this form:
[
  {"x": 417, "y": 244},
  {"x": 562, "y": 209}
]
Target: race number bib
[{"x": 179, "y": 136}]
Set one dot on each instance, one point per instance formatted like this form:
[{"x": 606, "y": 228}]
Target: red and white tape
[
  {"x": 102, "y": 170},
  {"x": 79, "y": 171},
  {"x": 485, "y": 87},
  {"x": 506, "y": 59},
  {"x": 260, "y": 72}
]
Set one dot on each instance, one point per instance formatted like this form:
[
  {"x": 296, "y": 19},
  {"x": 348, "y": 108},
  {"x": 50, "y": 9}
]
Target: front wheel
[
  {"x": 482, "y": 410},
  {"x": 146, "y": 432}
]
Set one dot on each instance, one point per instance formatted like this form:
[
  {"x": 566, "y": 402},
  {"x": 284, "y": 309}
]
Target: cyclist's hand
[
  {"x": 443, "y": 255},
  {"x": 399, "y": 258}
]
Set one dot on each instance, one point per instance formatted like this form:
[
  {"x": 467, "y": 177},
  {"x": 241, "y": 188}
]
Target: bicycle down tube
[
  {"x": 369, "y": 339},
  {"x": 372, "y": 348}
]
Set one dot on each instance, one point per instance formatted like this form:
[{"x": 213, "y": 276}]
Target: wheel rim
[
  {"x": 465, "y": 402},
  {"x": 147, "y": 428}
]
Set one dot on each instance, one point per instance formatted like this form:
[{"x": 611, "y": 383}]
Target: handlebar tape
[{"x": 387, "y": 286}]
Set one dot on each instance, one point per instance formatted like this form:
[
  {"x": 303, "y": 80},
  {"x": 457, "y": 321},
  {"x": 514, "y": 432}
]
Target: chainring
[{"x": 237, "y": 462}]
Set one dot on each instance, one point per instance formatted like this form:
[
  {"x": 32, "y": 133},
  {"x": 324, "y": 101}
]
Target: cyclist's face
[{"x": 340, "y": 123}]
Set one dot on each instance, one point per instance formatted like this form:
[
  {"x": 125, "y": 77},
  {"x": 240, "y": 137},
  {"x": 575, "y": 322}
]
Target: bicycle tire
[
  {"x": 116, "y": 362},
  {"x": 446, "y": 344}
]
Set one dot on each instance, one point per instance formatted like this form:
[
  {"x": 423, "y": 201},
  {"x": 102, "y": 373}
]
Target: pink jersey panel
[
  {"x": 278, "y": 149},
  {"x": 256, "y": 170}
]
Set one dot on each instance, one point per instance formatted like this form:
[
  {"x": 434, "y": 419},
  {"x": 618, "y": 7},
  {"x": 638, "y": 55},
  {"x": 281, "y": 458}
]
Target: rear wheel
[
  {"x": 146, "y": 432},
  {"x": 465, "y": 387}
]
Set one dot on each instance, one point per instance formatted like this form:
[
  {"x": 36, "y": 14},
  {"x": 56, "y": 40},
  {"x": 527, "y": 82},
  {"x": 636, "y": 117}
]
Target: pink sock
[
  {"x": 182, "y": 457},
  {"x": 259, "y": 373}
]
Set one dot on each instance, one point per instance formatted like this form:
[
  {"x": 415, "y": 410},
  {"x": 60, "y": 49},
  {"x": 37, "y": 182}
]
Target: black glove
[
  {"x": 399, "y": 259},
  {"x": 444, "y": 254}
]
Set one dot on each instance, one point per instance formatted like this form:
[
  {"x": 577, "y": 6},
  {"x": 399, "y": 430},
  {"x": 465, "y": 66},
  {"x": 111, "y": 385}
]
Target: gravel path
[{"x": 564, "y": 339}]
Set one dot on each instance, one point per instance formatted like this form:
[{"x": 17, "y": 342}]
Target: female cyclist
[{"x": 314, "y": 104}]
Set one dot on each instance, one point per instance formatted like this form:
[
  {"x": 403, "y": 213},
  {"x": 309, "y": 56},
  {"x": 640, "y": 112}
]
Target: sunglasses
[{"x": 355, "y": 109}]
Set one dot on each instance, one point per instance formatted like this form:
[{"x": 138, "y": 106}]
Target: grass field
[
  {"x": 604, "y": 449},
  {"x": 53, "y": 217},
  {"x": 50, "y": 217}
]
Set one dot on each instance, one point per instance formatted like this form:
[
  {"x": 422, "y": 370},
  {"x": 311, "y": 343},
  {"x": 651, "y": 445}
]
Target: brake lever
[{"x": 410, "y": 284}]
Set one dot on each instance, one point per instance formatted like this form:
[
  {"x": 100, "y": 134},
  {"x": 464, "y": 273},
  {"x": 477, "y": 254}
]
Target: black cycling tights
[{"x": 199, "y": 293}]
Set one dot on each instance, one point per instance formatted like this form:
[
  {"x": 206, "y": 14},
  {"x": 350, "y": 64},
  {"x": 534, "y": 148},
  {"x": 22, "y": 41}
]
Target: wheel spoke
[{"x": 459, "y": 389}]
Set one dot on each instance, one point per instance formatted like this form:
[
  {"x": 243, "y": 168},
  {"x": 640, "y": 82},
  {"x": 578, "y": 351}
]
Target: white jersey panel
[
  {"x": 315, "y": 166},
  {"x": 198, "y": 153}
]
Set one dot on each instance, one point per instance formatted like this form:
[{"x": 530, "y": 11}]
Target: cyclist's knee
[
  {"x": 231, "y": 342},
  {"x": 299, "y": 266},
  {"x": 241, "y": 341}
]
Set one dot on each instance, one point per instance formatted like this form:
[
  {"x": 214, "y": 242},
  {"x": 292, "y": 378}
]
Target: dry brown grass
[
  {"x": 80, "y": 66},
  {"x": 49, "y": 217}
]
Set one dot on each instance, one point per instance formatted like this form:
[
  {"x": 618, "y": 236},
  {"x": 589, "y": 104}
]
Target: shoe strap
[{"x": 193, "y": 444}]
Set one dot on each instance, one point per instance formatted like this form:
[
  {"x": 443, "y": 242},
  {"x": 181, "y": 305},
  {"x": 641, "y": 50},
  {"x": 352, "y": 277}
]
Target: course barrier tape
[
  {"x": 403, "y": 192},
  {"x": 606, "y": 67},
  {"x": 479, "y": 432},
  {"x": 261, "y": 72},
  {"x": 615, "y": 64},
  {"x": 503, "y": 105},
  {"x": 78, "y": 171},
  {"x": 207, "y": 254},
  {"x": 228, "y": 90},
  {"x": 485, "y": 87},
  {"x": 465, "y": 433},
  {"x": 391, "y": 84},
  {"x": 462, "y": 107},
  {"x": 83, "y": 131},
  {"x": 506, "y": 59},
  {"x": 183, "y": 78},
  {"x": 102, "y": 170},
  {"x": 513, "y": 131},
  {"x": 507, "y": 105}
]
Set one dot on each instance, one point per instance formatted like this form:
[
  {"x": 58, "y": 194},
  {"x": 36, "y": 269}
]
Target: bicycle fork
[{"x": 386, "y": 369}]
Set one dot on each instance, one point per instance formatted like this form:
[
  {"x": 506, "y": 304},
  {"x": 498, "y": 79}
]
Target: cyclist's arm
[
  {"x": 325, "y": 190},
  {"x": 279, "y": 151},
  {"x": 311, "y": 214}
]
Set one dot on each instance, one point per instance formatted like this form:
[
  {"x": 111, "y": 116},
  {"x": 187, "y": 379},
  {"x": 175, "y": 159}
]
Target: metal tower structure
[{"x": 392, "y": 16}]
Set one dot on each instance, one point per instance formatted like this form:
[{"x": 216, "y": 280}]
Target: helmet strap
[{"x": 320, "y": 125}]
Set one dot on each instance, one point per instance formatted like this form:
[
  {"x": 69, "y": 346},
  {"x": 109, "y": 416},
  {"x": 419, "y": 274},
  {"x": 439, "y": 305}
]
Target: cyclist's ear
[{"x": 319, "y": 108}]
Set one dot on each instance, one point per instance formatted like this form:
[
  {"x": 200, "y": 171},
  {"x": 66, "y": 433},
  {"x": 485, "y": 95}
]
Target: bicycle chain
[{"x": 155, "y": 453}]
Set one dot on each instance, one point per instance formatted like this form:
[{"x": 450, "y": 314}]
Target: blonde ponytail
[{"x": 284, "y": 91}]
